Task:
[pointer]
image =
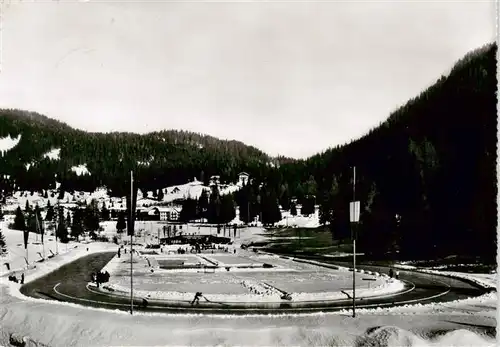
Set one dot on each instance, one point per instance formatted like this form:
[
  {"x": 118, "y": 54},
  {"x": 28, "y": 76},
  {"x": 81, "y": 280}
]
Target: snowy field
[{"x": 64, "y": 324}]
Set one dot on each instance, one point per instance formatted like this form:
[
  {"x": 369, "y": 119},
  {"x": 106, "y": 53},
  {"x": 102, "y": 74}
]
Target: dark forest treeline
[{"x": 426, "y": 177}]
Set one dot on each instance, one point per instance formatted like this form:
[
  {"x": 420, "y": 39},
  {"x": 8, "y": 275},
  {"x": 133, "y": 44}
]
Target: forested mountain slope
[
  {"x": 426, "y": 176},
  {"x": 159, "y": 159}
]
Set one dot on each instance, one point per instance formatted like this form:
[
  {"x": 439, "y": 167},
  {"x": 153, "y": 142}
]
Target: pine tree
[
  {"x": 50, "y": 212},
  {"x": 310, "y": 187},
  {"x": 91, "y": 218},
  {"x": 3, "y": 245},
  {"x": 228, "y": 212},
  {"x": 38, "y": 213},
  {"x": 188, "y": 211},
  {"x": 202, "y": 207},
  {"x": 214, "y": 208},
  {"x": 284, "y": 198},
  {"x": 242, "y": 198},
  {"x": 19, "y": 220},
  {"x": 293, "y": 209},
  {"x": 105, "y": 215},
  {"x": 270, "y": 208},
  {"x": 160, "y": 195},
  {"x": 59, "y": 214},
  {"x": 27, "y": 207},
  {"x": 34, "y": 221},
  {"x": 299, "y": 192},
  {"x": 308, "y": 205},
  {"x": 77, "y": 227},
  {"x": 62, "y": 229},
  {"x": 121, "y": 224},
  {"x": 326, "y": 206},
  {"x": 244, "y": 210},
  {"x": 68, "y": 219}
]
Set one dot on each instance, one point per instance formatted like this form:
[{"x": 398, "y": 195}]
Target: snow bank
[
  {"x": 462, "y": 338},
  {"x": 487, "y": 281},
  {"x": 418, "y": 308},
  {"x": 392, "y": 336},
  {"x": 389, "y": 336}
]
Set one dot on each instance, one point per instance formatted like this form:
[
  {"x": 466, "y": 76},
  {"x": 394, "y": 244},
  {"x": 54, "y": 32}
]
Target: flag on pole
[
  {"x": 131, "y": 206},
  {"x": 26, "y": 235},
  {"x": 38, "y": 225}
]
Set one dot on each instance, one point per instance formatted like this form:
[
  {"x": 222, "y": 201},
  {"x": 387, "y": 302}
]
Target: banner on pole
[
  {"x": 131, "y": 206},
  {"x": 354, "y": 210},
  {"x": 26, "y": 236},
  {"x": 40, "y": 228}
]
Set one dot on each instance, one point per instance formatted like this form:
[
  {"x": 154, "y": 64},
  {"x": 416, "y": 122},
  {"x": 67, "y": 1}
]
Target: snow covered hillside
[{"x": 7, "y": 143}]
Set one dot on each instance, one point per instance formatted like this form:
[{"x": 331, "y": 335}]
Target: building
[
  {"x": 243, "y": 178},
  {"x": 214, "y": 180},
  {"x": 165, "y": 213}
]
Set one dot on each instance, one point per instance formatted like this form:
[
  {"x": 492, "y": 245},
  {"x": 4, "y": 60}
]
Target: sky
[{"x": 289, "y": 77}]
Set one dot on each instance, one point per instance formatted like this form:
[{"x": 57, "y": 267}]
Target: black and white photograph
[{"x": 248, "y": 173}]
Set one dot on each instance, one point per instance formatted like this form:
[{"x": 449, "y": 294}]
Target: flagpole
[
  {"x": 354, "y": 246},
  {"x": 131, "y": 248},
  {"x": 40, "y": 229},
  {"x": 57, "y": 219},
  {"x": 26, "y": 245}
]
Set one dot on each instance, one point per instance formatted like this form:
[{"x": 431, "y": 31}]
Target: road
[{"x": 70, "y": 283}]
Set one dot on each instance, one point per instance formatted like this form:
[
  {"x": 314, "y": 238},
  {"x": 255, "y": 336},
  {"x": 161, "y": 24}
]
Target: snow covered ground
[
  {"x": 64, "y": 324},
  {"x": 485, "y": 280}
]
